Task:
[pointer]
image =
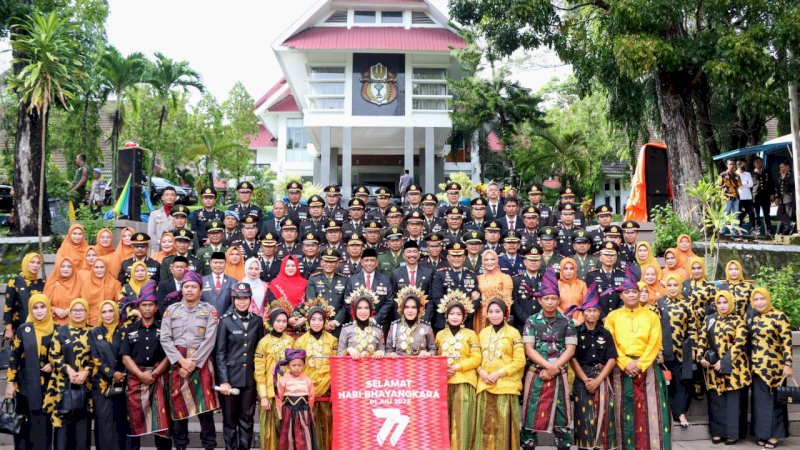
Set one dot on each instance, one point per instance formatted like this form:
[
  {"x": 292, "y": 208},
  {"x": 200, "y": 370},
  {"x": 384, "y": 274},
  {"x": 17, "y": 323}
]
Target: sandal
[
  {"x": 761, "y": 442},
  {"x": 771, "y": 444},
  {"x": 716, "y": 440},
  {"x": 730, "y": 441}
]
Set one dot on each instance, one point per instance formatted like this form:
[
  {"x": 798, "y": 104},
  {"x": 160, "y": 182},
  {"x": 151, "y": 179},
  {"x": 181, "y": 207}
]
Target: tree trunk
[
  {"x": 679, "y": 126},
  {"x": 114, "y": 151},
  {"x": 28, "y": 160},
  {"x": 702, "y": 99}
]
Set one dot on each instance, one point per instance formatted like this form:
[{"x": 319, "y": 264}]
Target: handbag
[
  {"x": 114, "y": 390},
  {"x": 10, "y": 421},
  {"x": 788, "y": 394},
  {"x": 5, "y": 354},
  {"x": 74, "y": 399}
]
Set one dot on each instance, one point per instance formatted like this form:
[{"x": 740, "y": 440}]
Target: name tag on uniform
[
  {"x": 237, "y": 332},
  {"x": 382, "y": 290}
]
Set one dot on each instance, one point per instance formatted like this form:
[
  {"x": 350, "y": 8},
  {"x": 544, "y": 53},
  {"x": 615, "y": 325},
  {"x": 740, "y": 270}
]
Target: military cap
[
  {"x": 413, "y": 189},
  {"x": 288, "y": 223},
  {"x": 430, "y": 198},
  {"x": 534, "y": 253},
  {"x": 179, "y": 210},
  {"x": 184, "y": 235},
  {"x": 355, "y": 203},
  {"x": 473, "y": 237},
  {"x": 534, "y": 189},
  {"x": 454, "y": 211},
  {"x": 411, "y": 244},
  {"x": 434, "y": 237},
  {"x": 383, "y": 192},
  {"x": 567, "y": 207},
  {"x": 331, "y": 255},
  {"x": 478, "y": 202},
  {"x": 453, "y": 186},
  {"x": 609, "y": 247},
  {"x": 369, "y": 253},
  {"x": 630, "y": 225},
  {"x": 214, "y": 226},
  {"x": 456, "y": 248},
  {"x": 372, "y": 226},
  {"x": 332, "y": 225},
  {"x": 269, "y": 240},
  {"x": 547, "y": 233},
  {"x": 231, "y": 213},
  {"x": 310, "y": 238},
  {"x": 332, "y": 189},
  {"x": 209, "y": 192},
  {"x": 354, "y": 238},
  {"x": 315, "y": 200},
  {"x": 218, "y": 255},
  {"x": 493, "y": 226},
  {"x": 580, "y": 236},
  {"x": 249, "y": 221},
  {"x": 241, "y": 289},
  {"x": 603, "y": 209},
  {"x": 415, "y": 216},
  {"x": 612, "y": 230},
  {"x": 140, "y": 238},
  {"x": 511, "y": 236},
  {"x": 294, "y": 186},
  {"x": 244, "y": 185},
  {"x": 567, "y": 191},
  {"x": 360, "y": 190},
  {"x": 393, "y": 233},
  {"x": 530, "y": 211},
  {"x": 393, "y": 211}
]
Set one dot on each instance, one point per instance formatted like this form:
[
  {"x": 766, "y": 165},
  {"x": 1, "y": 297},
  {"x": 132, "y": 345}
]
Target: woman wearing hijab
[
  {"x": 572, "y": 289},
  {"x": 491, "y": 282},
  {"x": 110, "y": 410},
  {"x": 124, "y": 247},
  {"x": 270, "y": 352},
  {"x": 771, "y": 363},
  {"x": 234, "y": 263},
  {"x": 104, "y": 246},
  {"x": 19, "y": 291},
  {"x": 651, "y": 275},
  {"x": 72, "y": 366},
  {"x": 722, "y": 353},
  {"x": 252, "y": 276},
  {"x": 319, "y": 345},
  {"x": 74, "y": 245},
  {"x": 88, "y": 261},
  {"x": 139, "y": 277},
  {"x": 361, "y": 338},
  {"x": 499, "y": 381},
  {"x": 644, "y": 257},
  {"x": 463, "y": 351},
  {"x": 408, "y": 335},
  {"x": 63, "y": 286},
  {"x": 683, "y": 251},
  {"x": 29, "y": 372},
  {"x": 741, "y": 289},
  {"x": 698, "y": 291},
  {"x": 671, "y": 266},
  {"x": 166, "y": 247},
  {"x": 99, "y": 286},
  {"x": 290, "y": 285}
]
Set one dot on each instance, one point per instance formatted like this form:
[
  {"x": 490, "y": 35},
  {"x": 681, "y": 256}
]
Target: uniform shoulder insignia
[
  {"x": 340, "y": 274},
  {"x": 375, "y": 325},
  {"x": 227, "y": 314},
  {"x": 467, "y": 270},
  {"x": 425, "y": 322}
]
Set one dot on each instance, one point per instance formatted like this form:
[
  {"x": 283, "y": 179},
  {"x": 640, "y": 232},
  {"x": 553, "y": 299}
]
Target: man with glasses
[
  {"x": 244, "y": 207},
  {"x": 140, "y": 243}
]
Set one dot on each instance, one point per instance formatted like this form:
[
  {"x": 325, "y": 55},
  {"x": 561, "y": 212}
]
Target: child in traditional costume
[
  {"x": 550, "y": 341},
  {"x": 295, "y": 400},
  {"x": 463, "y": 351}
]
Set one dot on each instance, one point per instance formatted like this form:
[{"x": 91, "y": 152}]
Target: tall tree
[{"x": 46, "y": 51}]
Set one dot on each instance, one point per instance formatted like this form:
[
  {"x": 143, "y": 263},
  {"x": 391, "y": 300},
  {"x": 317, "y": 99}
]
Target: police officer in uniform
[
  {"x": 331, "y": 286},
  {"x": 566, "y": 228},
  {"x": 243, "y": 207},
  {"x": 351, "y": 264},
  {"x": 393, "y": 217},
  {"x": 182, "y": 240},
  {"x": 334, "y": 211},
  {"x": 607, "y": 278},
  {"x": 546, "y": 215},
  {"x": 361, "y": 193},
  {"x": 238, "y": 334},
  {"x": 378, "y": 213},
  {"x": 415, "y": 229},
  {"x": 603, "y": 215},
  {"x": 583, "y": 260},
  {"x": 393, "y": 257},
  {"x": 526, "y": 287},
  {"x": 478, "y": 212},
  {"x": 248, "y": 244},
  {"x": 288, "y": 245},
  {"x": 568, "y": 196},
  {"x": 474, "y": 241},
  {"x": 431, "y": 223},
  {"x": 270, "y": 264},
  {"x": 435, "y": 245},
  {"x": 550, "y": 256},
  {"x": 333, "y": 237},
  {"x": 372, "y": 236},
  {"x": 630, "y": 234},
  {"x": 509, "y": 261},
  {"x": 180, "y": 215},
  {"x": 315, "y": 220},
  {"x": 413, "y": 200},
  {"x": 492, "y": 235},
  {"x": 453, "y": 191},
  {"x": 208, "y": 213},
  {"x": 529, "y": 236},
  {"x": 295, "y": 210},
  {"x": 355, "y": 224},
  {"x": 140, "y": 243},
  {"x": 214, "y": 235},
  {"x": 448, "y": 279},
  {"x": 309, "y": 262},
  {"x": 454, "y": 218}
]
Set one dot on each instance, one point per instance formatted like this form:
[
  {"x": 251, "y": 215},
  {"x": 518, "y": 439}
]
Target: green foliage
[
  {"x": 91, "y": 223},
  {"x": 711, "y": 203},
  {"x": 58, "y": 182},
  {"x": 467, "y": 188},
  {"x": 784, "y": 288},
  {"x": 264, "y": 184},
  {"x": 668, "y": 226}
]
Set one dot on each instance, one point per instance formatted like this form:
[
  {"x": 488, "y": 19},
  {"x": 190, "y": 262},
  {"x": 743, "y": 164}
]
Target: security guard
[
  {"x": 330, "y": 285},
  {"x": 607, "y": 278},
  {"x": 568, "y": 196},
  {"x": 583, "y": 260},
  {"x": 334, "y": 211},
  {"x": 550, "y": 257},
  {"x": 140, "y": 243},
  {"x": 478, "y": 213},
  {"x": 393, "y": 257},
  {"x": 474, "y": 241},
  {"x": 309, "y": 262},
  {"x": 434, "y": 243},
  {"x": 372, "y": 236},
  {"x": 630, "y": 234},
  {"x": 546, "y": 215},
  {"x": 431, "y": 223},
  {"x": 453, "y": 191},
  {"x": 183, "y": 239},
  {"x": 270, "y": 265},
  {"x": 566, "y": 228},
  {"x": 248, "y": 244},
  {"x": 238, "y": 334},
  {"x": 243, "y": 207},
  {"x": 208, "y": 213},
  {"x": 355, "y": 224},
  {"x": 295, "y": 210},
  {"x": 413, "y": 200},
  {"x": 526, "y": 287},
  {"x": 214, "y": 233},
  {"x": 509, "y": 261},
  {"x": 448, "y": 279},
  {"x": 529, "y": 236},
  {"x": 351, "y": 264},
  {"x": 315, "y": 220},
  {"x": 603, "y": 215}
]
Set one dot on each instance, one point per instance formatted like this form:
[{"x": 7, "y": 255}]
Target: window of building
[
  {"x": 326, "y": 88},
  {"x": 392, "y": 17},
  {"x": 297, "y": 141},
  {"x": 429, "y": 89},
  {"x": 364, "y": 17},
  {"x": 420, "y": 18},
  {"x": 338, "y": 17}
]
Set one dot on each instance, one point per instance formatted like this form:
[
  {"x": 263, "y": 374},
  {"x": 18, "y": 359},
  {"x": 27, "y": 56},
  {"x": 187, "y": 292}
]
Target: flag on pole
[
  {"x": 70, "y": 211},
  {"x": 122, "y": 206}
]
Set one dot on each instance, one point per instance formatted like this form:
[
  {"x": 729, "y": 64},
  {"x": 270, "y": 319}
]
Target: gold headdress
[
  {"x": 411, "y": 292},
  {"x": 360, "y": 293},
  {"x": 453, "y": 298}
]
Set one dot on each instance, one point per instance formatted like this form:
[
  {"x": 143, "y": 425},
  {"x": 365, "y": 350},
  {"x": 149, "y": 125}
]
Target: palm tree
[
  {"x": 168, "y": 78},
  {"x": 46, "y": 51},
  {"x": 212, "y": 149},
  {"x": 559, "y": 154},
  {"x": 120, "y": 73}
]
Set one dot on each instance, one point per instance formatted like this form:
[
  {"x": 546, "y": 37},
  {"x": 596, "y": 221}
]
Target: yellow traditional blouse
[
  {"x": 318, "y": 369},
  {"x": 466, "y": 345},
  {"x": 502, "y": 350},
  {"x": 489, "y": 284},
  {"x": 770, "y": 345},
  {"x": 269, "y": 352},
  {"x": 637, "y": 335}
]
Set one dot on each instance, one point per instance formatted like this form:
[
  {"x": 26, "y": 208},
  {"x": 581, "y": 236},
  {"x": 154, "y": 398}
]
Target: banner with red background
[{"x": 389, "y": 403}]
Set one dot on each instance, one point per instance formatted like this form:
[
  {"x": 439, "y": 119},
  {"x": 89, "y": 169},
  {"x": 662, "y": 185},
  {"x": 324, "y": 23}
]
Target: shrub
[
  {"x": 91, "y": 223},
  {"x": 784, "y": 287},
  {"x": 668, "y": 226}
]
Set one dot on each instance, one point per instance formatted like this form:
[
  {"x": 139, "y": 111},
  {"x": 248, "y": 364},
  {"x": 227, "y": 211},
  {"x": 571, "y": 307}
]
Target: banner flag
[
  {"x": 389, "y": 403},
  {"x": 122, "y": 206}
]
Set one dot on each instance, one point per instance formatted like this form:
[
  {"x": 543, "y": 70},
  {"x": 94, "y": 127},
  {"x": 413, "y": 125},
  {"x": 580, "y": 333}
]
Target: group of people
[{"x": 549, "y": 324}]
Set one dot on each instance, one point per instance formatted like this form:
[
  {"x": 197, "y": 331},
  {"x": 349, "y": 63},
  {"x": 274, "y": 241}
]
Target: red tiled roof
[
  {"x": 271, "y": 91},
  {"x": 375, "y": 38},
  {"x": 264, "y": 139},
  {"x": 284, "y": 104}
]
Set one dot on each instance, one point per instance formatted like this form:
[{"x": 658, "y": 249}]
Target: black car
[
  {"x": 6, "y": 199},
  {"x": 186, "y": 196}
]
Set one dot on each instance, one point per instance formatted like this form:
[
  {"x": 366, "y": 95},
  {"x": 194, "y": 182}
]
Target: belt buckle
[{"x": 190, "y": 352}]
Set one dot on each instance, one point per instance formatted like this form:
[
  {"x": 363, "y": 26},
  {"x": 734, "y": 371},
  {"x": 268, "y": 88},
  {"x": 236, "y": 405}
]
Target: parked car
[{"x": 6, "y": 199}]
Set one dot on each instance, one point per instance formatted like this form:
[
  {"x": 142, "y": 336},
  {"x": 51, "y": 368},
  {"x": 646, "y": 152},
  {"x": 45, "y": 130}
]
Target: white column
[
  {"x": 409, "y": 151},
  {"x": 334, "y": 175},
  {"x": 347, "y": 162},
  {"x": 430, "y": 180},
  {"x": 325, "y": 169},
  {"x": 475, "y": 157}
]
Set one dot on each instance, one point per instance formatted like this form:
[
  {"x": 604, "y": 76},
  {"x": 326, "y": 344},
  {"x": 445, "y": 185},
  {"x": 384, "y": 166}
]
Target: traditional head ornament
[
  {"x": 411, "y": 292},
  {"x": 359, "y": 294},
  {"x": 549, "y": 285},
  {"x": 456, "y": 299}
]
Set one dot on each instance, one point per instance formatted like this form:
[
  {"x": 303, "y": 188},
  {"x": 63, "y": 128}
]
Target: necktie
[
  {"x": 218, "y": 284},
  {"x": 369, "y": 281},
  {"x": 494, "y": 210},
  {"x": 510, "y": 224},
  {"x": 413, "y": 278}
]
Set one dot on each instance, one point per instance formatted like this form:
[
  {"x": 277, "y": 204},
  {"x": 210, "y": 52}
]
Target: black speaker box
[{"x": 130, "y": 162}]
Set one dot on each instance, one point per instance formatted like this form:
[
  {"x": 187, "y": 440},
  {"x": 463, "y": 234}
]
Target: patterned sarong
[
  {"x": 546, "y": 403},
  {"x": 461, "y": 405},
  {"x": 594, "y": 413},
  {"x": 297, "y": 425},
  {"x": 147, "y": 407},
  {"x": 193, "y": 395},
  {"x": 641, "y": 409}
]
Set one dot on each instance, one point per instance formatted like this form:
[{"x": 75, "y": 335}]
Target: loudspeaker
[
  {"x": 130, "y": 162},
  {"x": 656, "y": 171}
]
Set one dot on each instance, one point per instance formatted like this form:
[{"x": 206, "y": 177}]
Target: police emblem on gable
[{"x": 379, "y": 85}]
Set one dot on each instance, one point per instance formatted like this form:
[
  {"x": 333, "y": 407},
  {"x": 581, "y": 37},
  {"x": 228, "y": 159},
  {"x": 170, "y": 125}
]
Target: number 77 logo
[{"x": 393, "y": 417}]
